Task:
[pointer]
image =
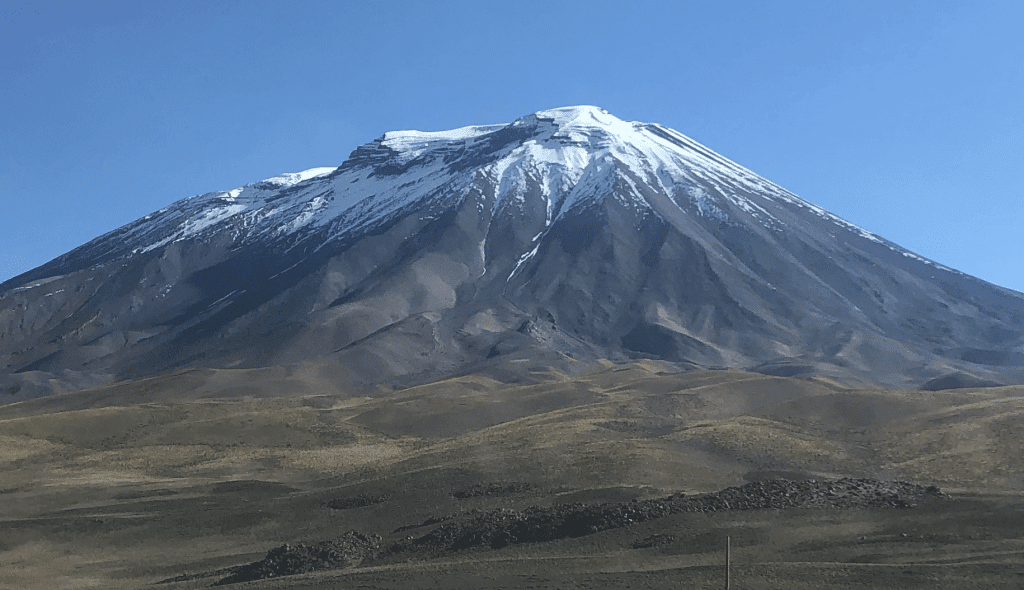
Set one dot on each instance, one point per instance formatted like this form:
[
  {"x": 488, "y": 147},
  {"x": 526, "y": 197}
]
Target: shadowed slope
[{"x": 566, "y": 236}]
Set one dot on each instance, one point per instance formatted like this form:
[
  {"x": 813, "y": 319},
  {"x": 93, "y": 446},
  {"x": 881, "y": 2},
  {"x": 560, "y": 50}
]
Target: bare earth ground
[{"x": 181, "y": 477}]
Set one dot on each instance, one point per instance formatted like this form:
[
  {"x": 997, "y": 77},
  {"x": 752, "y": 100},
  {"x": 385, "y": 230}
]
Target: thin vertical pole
[{"x": 728, "y": 546}]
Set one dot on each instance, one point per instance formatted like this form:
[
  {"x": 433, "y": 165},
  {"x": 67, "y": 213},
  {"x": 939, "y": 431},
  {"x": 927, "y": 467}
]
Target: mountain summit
[{"x": 564, "y": 237}]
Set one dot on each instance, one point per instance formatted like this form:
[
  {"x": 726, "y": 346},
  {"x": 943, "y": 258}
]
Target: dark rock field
[{"x": 495, "y": 529}]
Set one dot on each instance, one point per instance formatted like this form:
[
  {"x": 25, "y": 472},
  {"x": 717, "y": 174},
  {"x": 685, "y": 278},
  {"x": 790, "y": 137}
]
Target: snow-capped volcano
[
  {"x": 566, "y": 234},
  {"x": 573, "y": 155}
]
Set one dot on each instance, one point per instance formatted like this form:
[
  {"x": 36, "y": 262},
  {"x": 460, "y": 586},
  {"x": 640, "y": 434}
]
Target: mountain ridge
[{"x": 564, "y": 237}]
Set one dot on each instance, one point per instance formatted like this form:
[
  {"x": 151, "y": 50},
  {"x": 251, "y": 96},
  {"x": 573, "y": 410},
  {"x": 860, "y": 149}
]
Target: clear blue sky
[{"x": 905, "y": 117}]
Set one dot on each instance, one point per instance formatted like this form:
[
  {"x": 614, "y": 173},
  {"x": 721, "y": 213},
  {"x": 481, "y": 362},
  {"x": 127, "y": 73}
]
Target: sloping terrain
[
  {"x": 564, "y": 237},
  {"x": 184, "y": 478}
]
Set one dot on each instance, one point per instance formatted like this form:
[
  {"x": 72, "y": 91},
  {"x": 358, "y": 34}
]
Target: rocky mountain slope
[{"x": 564, "y": 237}]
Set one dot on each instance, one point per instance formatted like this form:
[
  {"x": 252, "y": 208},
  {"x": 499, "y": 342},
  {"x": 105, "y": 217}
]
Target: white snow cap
[
  {"x": 290, "y": 178},
  {"x": 566, "y": 118},
  {"x": 580, "y": 118},
  {"x": 571, "y": 155},
  {"x": 580, "y": 115},
  {"x": 399, "y": 140}
]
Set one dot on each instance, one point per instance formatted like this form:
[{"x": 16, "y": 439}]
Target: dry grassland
[{"x": 135, "y": 483}]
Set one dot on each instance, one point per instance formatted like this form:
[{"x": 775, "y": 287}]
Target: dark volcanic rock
[
  {"x": 345, "y": 551},
  {"x": 358, "y": 501},
  {"x": 498, "y": 528},
  {"x": 428, "y": 522},
  {"x": 494, "y": 529},
  {"x": 508, "y": 488}
]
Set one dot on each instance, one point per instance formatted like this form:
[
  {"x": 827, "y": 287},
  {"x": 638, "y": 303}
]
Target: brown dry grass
[{"x": 124, "y": 486}]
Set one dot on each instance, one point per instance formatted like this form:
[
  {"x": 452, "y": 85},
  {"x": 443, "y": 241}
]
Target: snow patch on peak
[
  {"x": 580, "y": 115},
  {"x": 417, "y": 141},
  {"x": 292, "y": 178},
  {"x": 564, "y": 158},
  {"x": 576, "y": 122}
]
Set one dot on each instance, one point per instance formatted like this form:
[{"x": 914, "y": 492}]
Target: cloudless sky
[{"x": 904, "y": 117}]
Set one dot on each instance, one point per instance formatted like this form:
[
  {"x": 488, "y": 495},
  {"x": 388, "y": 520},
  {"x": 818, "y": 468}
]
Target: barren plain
[{"x": 176, "y": 482}]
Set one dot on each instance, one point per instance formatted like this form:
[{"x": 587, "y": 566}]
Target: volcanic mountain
[{"x": 564, "y": 237}]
